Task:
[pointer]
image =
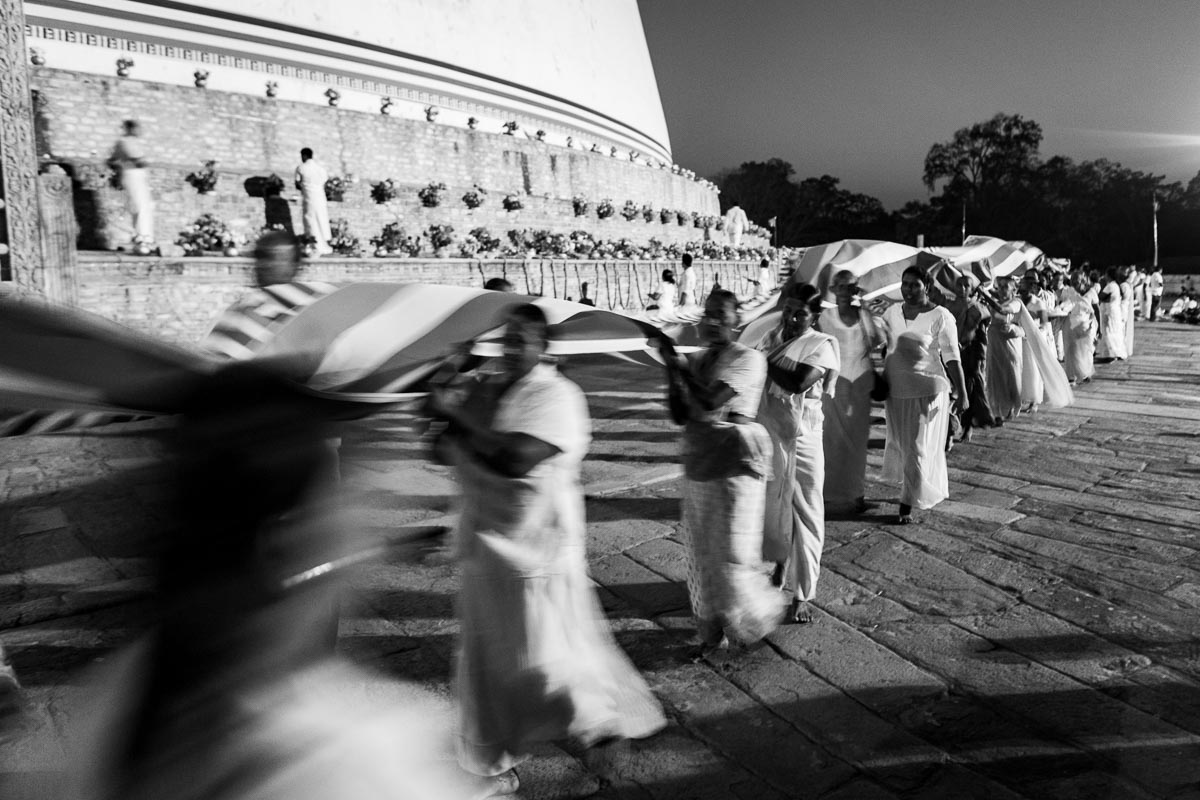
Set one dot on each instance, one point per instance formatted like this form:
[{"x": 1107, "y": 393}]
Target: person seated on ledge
[
  {"x": 664, "y": 299},
  {"x": 498, "y": 285}
]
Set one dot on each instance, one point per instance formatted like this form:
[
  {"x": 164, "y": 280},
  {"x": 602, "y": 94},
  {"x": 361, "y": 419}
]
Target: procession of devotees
[
  {"x": 231, "y": 692},
  {"x": 774, "y": 437}
]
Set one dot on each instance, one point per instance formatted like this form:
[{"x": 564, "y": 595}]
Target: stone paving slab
[{"x": 1035, "y": 636}]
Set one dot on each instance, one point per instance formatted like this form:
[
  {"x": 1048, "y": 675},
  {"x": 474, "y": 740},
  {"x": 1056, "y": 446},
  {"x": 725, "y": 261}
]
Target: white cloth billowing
[{"x": 536, "y": 660}]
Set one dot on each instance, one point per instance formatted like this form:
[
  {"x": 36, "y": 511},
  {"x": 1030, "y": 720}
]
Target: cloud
[{"x": 1135, "y": 140}]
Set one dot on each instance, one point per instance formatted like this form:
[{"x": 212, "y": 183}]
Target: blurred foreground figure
[
  {"x": 235, "y": 695},
  {"x": 536, "y": 661},
  {"x": 12, "y": 701}
]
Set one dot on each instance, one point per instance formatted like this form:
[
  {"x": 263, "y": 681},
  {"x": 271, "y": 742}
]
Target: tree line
[{"x": 1096, "y": 211}]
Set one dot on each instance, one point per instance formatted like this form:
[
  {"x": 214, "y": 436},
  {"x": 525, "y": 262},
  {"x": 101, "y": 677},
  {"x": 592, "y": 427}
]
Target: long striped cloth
[
  {"x": 254, "y": 320},
  {"x": 682, "y": 326},
  {"x": 877, "y": 266},
  {"x": 363, "y": 345},
  {"x": 65, "y": 368},
  {"x": 383, "y": 339},
  {"x": 988, "y": 258}
]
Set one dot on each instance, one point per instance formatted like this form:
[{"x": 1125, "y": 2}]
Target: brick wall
[
  {"x": 79, "y": 118},
  {"x": 179, "y": 299}
]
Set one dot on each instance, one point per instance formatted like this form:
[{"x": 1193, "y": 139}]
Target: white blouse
[{"x": 916, "y": 350}]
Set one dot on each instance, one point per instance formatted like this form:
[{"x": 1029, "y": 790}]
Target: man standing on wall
[
  {"x": 687, "y": 291},
  {"x": 128, "y": 159},
  {"x": 310, "y": 180}
]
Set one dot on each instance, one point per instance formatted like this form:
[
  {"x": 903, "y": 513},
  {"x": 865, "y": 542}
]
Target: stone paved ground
[{"x": 1035, "y": 636}]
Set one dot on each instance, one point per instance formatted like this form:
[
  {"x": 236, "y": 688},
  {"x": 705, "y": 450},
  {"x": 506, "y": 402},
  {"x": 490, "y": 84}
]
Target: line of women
[
  {"x": 536, "y": 661},
  {"x": 774, "y": 431},
  {"x": 762, "y": 420}
]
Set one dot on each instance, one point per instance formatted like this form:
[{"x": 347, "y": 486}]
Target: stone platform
[{"x": 1035, "y": 636}]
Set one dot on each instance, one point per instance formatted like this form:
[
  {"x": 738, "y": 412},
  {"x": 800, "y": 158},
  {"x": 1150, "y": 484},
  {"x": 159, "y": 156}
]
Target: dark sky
[{"x": 860, "y": 89}]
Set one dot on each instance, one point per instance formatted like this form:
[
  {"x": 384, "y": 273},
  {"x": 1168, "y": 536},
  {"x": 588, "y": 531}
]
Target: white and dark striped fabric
[
  {"x": 62, "y": 369},
  {"x": 366, "y": 344},
  {"x": 249, "y": 324},
  {"x": 877, "y": 266},
  {"x": 988, "y": 258},
  {"x": 382, "y": 339}
]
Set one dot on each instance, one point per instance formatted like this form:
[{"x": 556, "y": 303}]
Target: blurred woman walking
[
  {"x": 536, "y": 661},
  {"x": 715, "y": 394}
]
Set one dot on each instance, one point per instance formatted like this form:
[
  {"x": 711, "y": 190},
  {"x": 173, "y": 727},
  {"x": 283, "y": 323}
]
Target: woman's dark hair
[
  {"x": 533, "y": 315},
  {"x": 805, "y": 293},
  {"x": 724, "y": 297},
  {"x": 668, "y": 276},
  {"x": 924, "y": 276}
]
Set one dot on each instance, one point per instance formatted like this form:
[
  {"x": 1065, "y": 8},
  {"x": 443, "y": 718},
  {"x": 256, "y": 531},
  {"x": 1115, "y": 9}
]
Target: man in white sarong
[
  {"x": 129, "y": 160},
  {"x": 310, "y": 180},
  {"x": 687, "y": 279},
  {"x": 735, "y": 225}
]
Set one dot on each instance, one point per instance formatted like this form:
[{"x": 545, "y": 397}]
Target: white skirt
[{"x": 915, "y": 455}]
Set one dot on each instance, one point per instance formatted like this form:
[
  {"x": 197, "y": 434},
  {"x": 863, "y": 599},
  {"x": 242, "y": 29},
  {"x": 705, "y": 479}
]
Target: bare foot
[{"x": 800, "y": 612}]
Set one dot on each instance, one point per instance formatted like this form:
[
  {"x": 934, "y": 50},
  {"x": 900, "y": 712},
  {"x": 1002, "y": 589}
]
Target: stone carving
[
  {"x": 123, "y": 67},
  {"x": 385, "y": 106},
  {"x": 57, "y": 235},
  {"x": 200, "y": 78},
  {"x": 272, "y": 88},
  {"x": 18, "y": 156}
]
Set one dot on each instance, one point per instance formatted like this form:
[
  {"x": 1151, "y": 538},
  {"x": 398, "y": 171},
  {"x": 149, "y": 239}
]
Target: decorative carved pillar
[
  {"x": 18, "y": 158},
  {"x": 58, "y": 232}
]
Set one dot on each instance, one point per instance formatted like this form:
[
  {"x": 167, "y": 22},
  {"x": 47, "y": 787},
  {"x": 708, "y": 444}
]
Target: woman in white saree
[{"x": 536, "y": 661}]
